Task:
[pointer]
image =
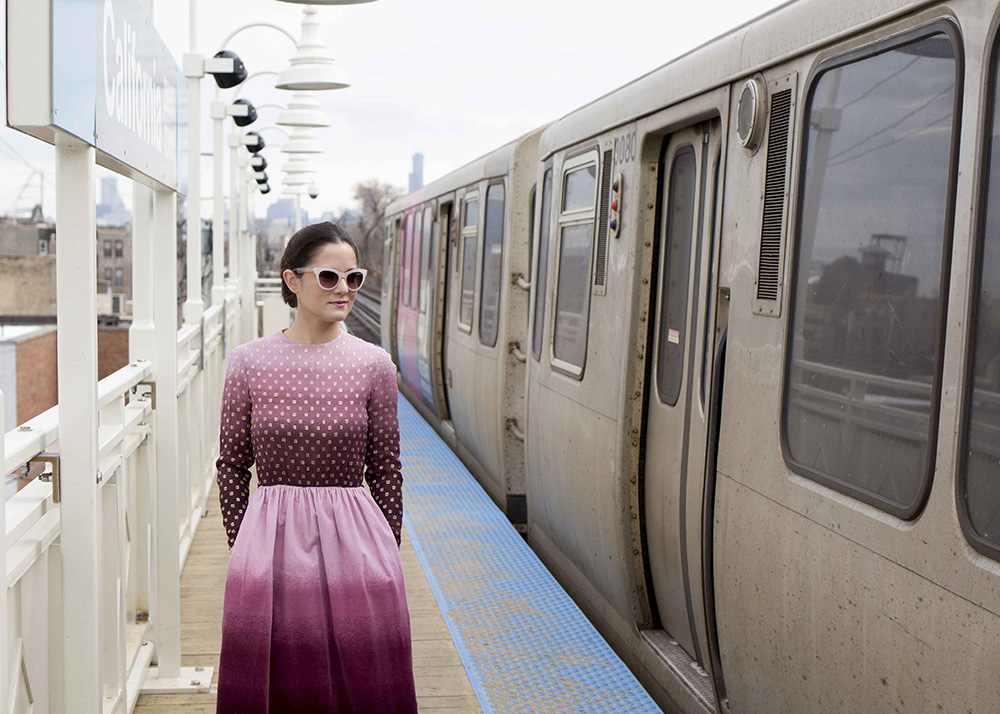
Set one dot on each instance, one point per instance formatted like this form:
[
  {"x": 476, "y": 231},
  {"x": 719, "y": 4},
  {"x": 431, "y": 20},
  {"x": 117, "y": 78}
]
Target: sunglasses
[{"x": 329, "y": 278}]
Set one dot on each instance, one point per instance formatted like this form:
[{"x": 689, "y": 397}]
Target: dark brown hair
[{"x": 302, "y": 247}]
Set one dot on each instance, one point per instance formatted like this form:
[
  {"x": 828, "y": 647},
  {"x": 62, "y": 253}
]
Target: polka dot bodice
[{"x": 309, "y": 415}]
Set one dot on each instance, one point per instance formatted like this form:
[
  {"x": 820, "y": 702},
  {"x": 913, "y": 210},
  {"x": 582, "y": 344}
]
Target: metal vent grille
[
  {"x": 600, "y": 271},
  {"x": 769, "y": 270}
]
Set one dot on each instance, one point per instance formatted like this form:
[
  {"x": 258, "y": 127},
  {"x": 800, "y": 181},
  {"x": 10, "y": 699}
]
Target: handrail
[
  {"x": 854, "y": 375},
  {"x": 38, "y": 433},
  {"x": 126, "y": 480}
]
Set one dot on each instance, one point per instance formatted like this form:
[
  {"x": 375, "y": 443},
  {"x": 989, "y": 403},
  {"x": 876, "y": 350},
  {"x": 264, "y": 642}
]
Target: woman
[{"x": 314, "y": 616}]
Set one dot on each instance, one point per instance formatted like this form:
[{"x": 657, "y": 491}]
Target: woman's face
[{"x": 327, "y": 305}]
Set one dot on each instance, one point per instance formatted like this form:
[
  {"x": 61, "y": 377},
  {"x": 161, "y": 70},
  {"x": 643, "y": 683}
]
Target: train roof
[
  {"x": 786, "y": 31},
  {"x": 496, "y": 163}
]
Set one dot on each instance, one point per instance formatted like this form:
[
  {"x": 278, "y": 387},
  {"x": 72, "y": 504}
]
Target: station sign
[{"x": 97, "y": 69}]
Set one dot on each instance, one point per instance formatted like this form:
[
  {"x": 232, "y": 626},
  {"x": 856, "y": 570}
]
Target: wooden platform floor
[{"x": 442, "y": 684}]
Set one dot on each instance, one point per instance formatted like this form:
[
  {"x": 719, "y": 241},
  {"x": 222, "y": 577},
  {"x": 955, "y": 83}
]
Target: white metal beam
[
  {"x": 4, "y": 632},
  {"x": 164, "y": 280},
  {"x": 76, "y": 296}
]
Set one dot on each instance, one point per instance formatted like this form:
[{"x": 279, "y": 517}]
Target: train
[{"x": 724, "y": 345}]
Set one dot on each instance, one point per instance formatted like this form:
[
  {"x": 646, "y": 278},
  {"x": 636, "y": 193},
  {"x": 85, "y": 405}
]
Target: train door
[
  {"x": 682, "y": 348},
  {"x": 448, "y": 254},
  {"x": 425, "y": 311}
]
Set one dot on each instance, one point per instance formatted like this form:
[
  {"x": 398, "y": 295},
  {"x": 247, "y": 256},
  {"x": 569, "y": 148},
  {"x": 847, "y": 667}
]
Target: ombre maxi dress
[{"x": 315, "y": 616}]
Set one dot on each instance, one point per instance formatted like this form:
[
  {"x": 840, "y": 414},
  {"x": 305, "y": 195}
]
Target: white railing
[
  {"x": 32, "y": 604},
  {"x": 272, "y": 311}
]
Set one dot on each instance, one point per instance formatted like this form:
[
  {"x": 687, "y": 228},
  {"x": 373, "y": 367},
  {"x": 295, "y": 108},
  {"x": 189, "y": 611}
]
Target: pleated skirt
[{"x": 314, "y": 616}]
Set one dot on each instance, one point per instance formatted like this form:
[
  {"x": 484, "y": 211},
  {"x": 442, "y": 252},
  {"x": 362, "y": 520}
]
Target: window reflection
[
  {"x": 982, "y": 480},
  {"x": 569, "y": 340},
  {"x": 543, "y": 266},
  {"x": 489, "y": 309},
  {"x": 580, "y": 188},
  {"x": 867, "y": 303},
  {"x": 679, "y": 220}
]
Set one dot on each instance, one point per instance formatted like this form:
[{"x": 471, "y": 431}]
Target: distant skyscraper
[
  {"x": 417, "y": 175},
  {"x": 109, "y": 192},
  {"x": 284, "y": 208},
  {"x": 111, "y": 210}
]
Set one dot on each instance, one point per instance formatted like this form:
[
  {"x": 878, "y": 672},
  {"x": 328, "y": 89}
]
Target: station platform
[{"x": 493, "y": 632}]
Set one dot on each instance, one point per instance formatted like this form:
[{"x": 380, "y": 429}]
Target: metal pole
[
  {"x": 298, "y": 212},
  {"x": 193, "y": 25},
  {"x": 142, "y": 345},
  {"x": 4, "y": 632},
  {"x": 166, "y": 427},
  {"x": 140, "y": 335},
  {"x": 234, "y": 216},
  {"x": 249, "y": 312},
  {"x": 76, "y": 296},
  {"x": 219, "y": 213},
  {"x": 193, "y": 305}
]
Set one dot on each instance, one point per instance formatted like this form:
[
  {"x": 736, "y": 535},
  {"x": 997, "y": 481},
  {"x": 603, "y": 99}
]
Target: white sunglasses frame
[{"x": 340, "y": 276}]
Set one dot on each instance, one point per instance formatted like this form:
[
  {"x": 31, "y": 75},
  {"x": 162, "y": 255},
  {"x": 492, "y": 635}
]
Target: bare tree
[{"x": 373, "y": 197}]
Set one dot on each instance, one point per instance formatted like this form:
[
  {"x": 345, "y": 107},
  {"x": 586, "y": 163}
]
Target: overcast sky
[{"x": 452, "y": 80}]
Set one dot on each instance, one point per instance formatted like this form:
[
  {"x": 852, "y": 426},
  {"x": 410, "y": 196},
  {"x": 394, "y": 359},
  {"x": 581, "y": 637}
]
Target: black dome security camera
[
  {"x": 251, "y": 116},
  {"x": 258, "y": 145},
  {"x": 225, "y": 80}
]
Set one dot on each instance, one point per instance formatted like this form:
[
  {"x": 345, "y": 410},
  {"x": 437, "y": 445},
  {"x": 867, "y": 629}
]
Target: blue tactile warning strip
[{"x": 526, "y": 645}]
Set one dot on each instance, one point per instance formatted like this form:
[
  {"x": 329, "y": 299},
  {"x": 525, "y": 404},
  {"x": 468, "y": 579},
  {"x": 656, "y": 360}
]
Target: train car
[
  {"x": 762, "y": 391},
  {"x": 459, "y": 250},
  {"x": 774, "y": 401}
]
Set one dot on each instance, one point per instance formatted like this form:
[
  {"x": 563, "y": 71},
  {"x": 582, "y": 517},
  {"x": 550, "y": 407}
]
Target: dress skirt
[{"x": 314, "y": 616}]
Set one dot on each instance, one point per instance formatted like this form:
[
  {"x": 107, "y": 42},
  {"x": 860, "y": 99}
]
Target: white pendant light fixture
[
  {"x": 297, "y": 180},
  {"x": 299, "y": 164},
  {"x": 312, "y": 64},
  {"x": 302, "y": 141},
  {"x": 303, "y": 109},
  {"x": 327, "y": 2}
]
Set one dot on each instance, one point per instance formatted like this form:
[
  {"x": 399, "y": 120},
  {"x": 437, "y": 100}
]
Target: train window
[
  {"x": 387, "y": 262},
  {"x": 579, "y": 187},
  {"x": 679, "y": 220},
  {"x": 415, "y": 244},
  {"x": 979, "y": 476},
  {"x": 865, "y": 340},
  {"x": 531, "y": 229},
  {"x": 489, "y": 296},
  {"x": 708, "y": 348},
  {"x": 425, "y": 257},
  {"x": 404, "y": 273},
  {"x": 542, "y": 266},
  {"x": 470, "y": 238},
  {"x": 576, "y": 240}
]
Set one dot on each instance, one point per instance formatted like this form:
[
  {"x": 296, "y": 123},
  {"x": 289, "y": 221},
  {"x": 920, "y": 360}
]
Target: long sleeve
[
  {"x": 235, "y": 447},
  {"x": 382, "y": 448}
]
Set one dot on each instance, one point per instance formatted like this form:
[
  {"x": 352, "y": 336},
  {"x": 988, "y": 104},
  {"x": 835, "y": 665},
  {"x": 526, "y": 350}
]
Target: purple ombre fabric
[{"x": 315, "y": 616}]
